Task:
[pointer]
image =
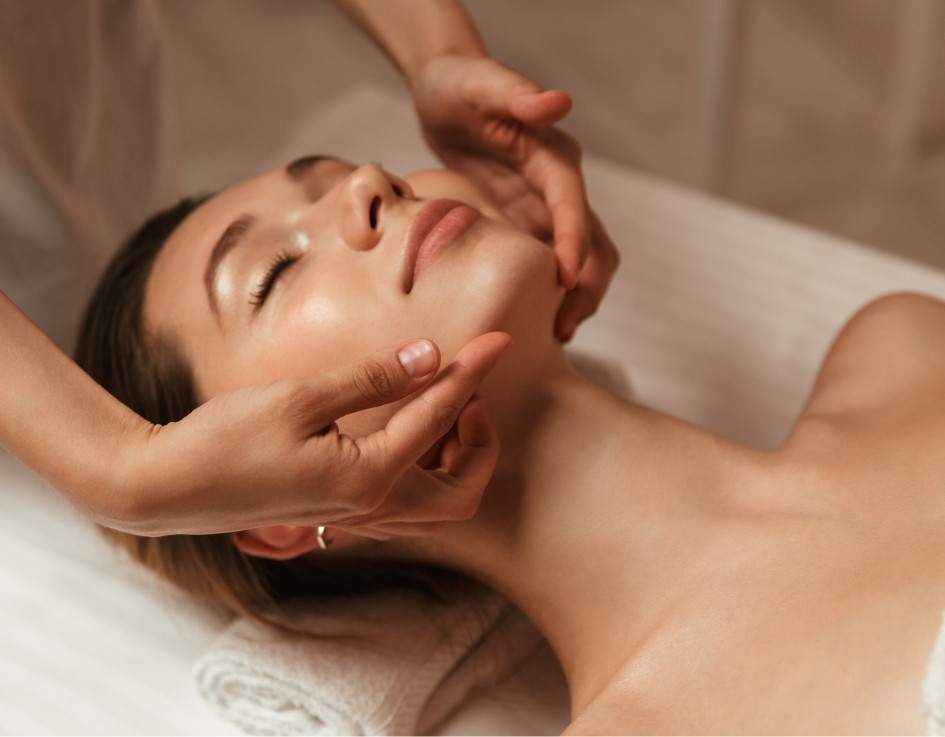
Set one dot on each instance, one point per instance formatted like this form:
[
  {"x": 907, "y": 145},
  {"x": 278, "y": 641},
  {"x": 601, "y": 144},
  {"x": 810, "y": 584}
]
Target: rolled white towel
[{"x": 381, "y": 665}]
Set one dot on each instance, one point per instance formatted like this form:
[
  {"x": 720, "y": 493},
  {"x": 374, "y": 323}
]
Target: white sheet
[{"x": 719, "y": 315}]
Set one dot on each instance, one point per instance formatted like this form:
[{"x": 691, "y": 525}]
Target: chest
[{"x": 808, "y": 629}]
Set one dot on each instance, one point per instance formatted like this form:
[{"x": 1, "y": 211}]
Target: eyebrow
[
  {"x": 227, "y": 242},
  {"x": 296, "y": 170},
  {"x": 238, "y": 228}
]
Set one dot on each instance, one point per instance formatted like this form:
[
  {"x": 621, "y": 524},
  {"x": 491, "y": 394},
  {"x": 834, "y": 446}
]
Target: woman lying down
[{"x": 686, "y": 583}]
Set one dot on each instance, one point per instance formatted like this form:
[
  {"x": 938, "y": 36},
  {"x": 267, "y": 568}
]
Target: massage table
[{"x": 719, "y": 315}]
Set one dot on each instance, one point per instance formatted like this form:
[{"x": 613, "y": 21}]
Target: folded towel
[
  {"x": 933, "y": 687},
  {"x": 380, "y": 665}
]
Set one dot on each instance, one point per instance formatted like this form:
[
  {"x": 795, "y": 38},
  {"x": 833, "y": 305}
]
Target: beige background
[{"x": 809, "y": 131}]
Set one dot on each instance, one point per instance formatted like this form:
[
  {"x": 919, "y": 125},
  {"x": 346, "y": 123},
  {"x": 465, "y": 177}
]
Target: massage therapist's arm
[
  {"x": 267, "y": 454},
  {"x": 496, "y": 127}
]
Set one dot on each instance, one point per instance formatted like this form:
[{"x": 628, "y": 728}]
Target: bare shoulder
[
  {"x": 881, "y": 387},
  {"x": 891, "y": 351},
  {"x": 909, "y": 317},
  {"x": 874, "y": 426}
]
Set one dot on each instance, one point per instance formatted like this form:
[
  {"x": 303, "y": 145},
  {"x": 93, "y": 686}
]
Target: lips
[{"x": 437, "y": 225}]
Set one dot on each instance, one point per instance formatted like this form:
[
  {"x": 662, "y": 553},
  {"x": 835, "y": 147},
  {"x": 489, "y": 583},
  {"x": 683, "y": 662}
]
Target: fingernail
[{"x": 418, "y": 358}]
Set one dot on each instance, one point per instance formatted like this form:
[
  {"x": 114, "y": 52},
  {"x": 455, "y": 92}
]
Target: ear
[{"x": 278, "y": 542}]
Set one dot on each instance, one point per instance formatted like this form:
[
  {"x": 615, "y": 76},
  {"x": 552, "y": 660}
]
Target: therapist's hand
[
  {"x": 583, "y": 300},
  {"x": 271, "y": 454},
  {"x": 497, "y": 127}
]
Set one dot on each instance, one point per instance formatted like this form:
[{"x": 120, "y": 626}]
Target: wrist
[
  {"x": 413, "y": 32},
  {"x": 434, "y": 68},
  {"x": 129, "y": 498},
  {"x": 420, "y": 60}
]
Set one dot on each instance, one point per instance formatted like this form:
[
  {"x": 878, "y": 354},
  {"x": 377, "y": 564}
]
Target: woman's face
[{"x": 312, "y": 266}]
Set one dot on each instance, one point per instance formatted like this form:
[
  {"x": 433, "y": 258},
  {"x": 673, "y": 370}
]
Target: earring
[{"x": 320, "y": 537}]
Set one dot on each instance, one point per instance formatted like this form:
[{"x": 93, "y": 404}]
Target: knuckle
[
  {"x": 296, "y": 396},
  {"x": 444, "y": 416},
  {"x": 349, "y": 456},
  {"x": 372, "y": 380},
  {"x": 291, "y": 399}
]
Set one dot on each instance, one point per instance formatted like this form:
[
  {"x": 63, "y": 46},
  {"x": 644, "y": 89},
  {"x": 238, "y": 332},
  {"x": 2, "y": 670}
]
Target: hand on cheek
[{"x": 440, "y": 444}]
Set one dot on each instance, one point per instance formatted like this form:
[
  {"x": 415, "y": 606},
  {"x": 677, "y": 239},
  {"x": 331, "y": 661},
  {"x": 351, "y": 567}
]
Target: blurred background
[{"x": 825, "y": 112}]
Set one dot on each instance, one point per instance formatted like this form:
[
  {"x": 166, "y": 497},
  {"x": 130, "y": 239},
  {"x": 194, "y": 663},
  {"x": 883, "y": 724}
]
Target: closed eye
[{"x": 278, "y": 266}]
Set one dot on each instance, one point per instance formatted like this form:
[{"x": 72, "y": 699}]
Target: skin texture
[{"x": 687, "y": 583}]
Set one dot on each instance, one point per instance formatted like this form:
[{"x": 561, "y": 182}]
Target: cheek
[
  {"x": 334, "y": 334},
  {"x": 508, "y": 283},
  {"x": 320, "y": 334},
  {"x": 326, "y": 328}
]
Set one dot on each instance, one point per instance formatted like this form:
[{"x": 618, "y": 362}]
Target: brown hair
[{"x": 150, "y": 374}]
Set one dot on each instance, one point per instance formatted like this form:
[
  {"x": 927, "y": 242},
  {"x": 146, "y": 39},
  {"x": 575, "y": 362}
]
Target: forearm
[
  {"x": 413, "y": 31},
  {"x": 56, "y": 419}
]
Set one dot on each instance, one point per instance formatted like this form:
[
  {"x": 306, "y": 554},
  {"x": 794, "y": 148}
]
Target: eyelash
[{"x": 279, "y": 264}]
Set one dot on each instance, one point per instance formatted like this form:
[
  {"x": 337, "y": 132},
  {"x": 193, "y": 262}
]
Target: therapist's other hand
[
  {"x": 497, "y": 127},
  {"x": 583, "y": 300},
  {"x": 271, "y": 454}
]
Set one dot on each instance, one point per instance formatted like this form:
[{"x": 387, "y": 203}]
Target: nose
[{"x": 369, "y": 192}]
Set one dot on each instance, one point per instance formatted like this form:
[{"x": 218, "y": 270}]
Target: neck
[{"x": 583, "y": 523}]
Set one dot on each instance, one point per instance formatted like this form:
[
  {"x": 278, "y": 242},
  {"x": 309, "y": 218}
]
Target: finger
[
  {"x": 379, "y": 379},
  {"x": 472, "y": 447},
  {"x": 578, "y": 305},
  {"x": 555, "y": 174},
  {"x": 420, "y": 423},
  {"x": 426, "y": 499},
  {"x": 595, "y": 277},
  {"x": 541, "y": 108},
  {"x": 509, "y": 190},
  {"x": 496, "y": 86}
]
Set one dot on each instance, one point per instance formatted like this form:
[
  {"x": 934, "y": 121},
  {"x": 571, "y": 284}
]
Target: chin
[{"x": 516, "y": 292}]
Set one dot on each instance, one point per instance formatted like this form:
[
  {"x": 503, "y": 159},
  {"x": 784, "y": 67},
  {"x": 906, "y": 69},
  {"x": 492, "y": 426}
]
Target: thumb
[
  {"x": 540, "y": 108},
  {"x": 371, "y": 382},
  {"x": 495, "y": 89}
]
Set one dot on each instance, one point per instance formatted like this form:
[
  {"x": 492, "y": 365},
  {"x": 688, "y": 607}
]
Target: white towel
[
  {"x": 381, "y": 665},
  {"x": 933, "y": 687}
]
